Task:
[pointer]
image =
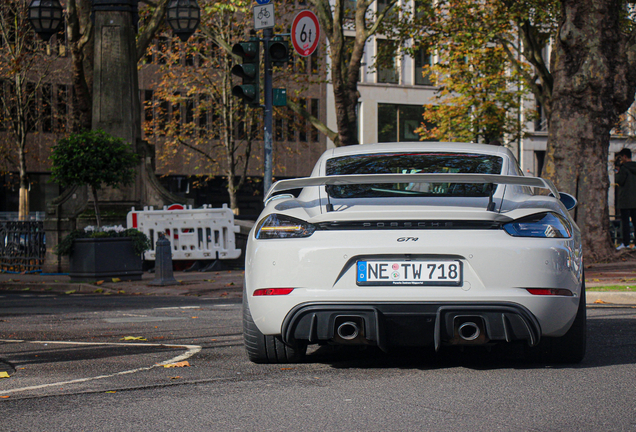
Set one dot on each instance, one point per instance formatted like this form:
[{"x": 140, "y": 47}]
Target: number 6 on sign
[{"x": 305, "y": 33}]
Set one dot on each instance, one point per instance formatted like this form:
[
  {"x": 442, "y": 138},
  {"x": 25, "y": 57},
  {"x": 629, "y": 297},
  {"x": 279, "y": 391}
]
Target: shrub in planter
[
  {"x": 93, "y": 159},
  {"x": 104, "y": 253}
]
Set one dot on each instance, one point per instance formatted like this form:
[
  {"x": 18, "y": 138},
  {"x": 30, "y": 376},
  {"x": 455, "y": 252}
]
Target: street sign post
[
  {"x": 264, "y": 16},
  {"x": 305, "y": 33}
]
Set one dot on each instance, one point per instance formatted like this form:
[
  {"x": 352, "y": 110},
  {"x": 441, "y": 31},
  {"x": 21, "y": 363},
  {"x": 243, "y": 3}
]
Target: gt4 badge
[{"x": 407, "y": 239}]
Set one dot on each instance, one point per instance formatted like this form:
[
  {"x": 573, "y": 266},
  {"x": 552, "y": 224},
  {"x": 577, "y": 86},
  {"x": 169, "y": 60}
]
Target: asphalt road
[{"x": 72, "y": 369}]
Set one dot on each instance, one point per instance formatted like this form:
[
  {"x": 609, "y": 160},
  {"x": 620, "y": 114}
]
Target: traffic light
[
  {"x": 278, "y": 50},
  {"x": 248, "y": 71}
]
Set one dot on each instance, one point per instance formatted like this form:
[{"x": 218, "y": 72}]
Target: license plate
[{"x": 409, "y": 273}]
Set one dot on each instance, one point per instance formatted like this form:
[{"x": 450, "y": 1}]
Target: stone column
[{"x": 117, "y": 111}]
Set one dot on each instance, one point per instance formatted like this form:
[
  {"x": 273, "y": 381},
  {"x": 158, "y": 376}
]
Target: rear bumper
[{"x": 387, "y": 324}]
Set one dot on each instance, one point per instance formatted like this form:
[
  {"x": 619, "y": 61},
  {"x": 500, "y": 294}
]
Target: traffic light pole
[{"x": 269, "y": 115}]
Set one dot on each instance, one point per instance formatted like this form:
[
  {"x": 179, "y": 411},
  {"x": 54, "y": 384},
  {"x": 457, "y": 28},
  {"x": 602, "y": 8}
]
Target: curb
[{"x": 610, "y": 297}]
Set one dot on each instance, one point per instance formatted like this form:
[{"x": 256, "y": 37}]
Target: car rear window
[{"x": 413, "y": 163}]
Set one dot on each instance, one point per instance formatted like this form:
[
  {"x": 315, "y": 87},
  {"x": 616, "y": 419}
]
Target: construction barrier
[{"x": 195, "y": 234}]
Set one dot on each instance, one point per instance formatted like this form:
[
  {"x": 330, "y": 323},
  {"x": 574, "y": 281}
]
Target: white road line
[{"x": 190, "y": 351}]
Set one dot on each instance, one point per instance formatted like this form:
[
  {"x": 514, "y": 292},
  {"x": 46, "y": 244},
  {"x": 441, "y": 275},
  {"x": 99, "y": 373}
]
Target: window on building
[
  {"x": 540, "y": 121},
  {"x": 386, "y": 61},
  {"x": 202, "y": 114},
  {"x": 422, "y": 58},
  {"x": 349, "y": 42},
  {"x": 162, "y": 48},
  {"x": 61, "y": 108},
  {"x": 163, "y": 109},
  {"x": 31, "y": 108},
  {"x": 47, "y": 108},
  {"x": 397, "y": 123},
  {"x": 302, "y": 124},
  {"x": 291, "y": 130},
  {"x": 315, "y": 62},
  {"x": 350, "y": 8},
  {"x": 176, "y": 113},
  {"x": 189, "y": 115},
  {"x": 4, "y": 94},
  {"x": 299, "y": 62},
  {"x": 316, "y": 113},
  {"x": 278, "y": 127}
]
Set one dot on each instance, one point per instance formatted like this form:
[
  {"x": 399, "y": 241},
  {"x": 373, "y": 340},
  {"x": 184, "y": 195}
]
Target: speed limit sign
[{"x": 305, "y": 33}]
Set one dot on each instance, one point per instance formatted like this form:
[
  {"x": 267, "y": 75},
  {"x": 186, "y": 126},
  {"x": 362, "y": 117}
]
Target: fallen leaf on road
[
  {"x": 177, "y": 377},
  {"x": 70, "y": 292},
  {"x": 111, "y": 391},
  {"x": 99, "y": 282},
  {"x": 177, "y": 364},
  {"x": 98, "y": 291},
  {"x": 116, "y": 280},
  {"x": 230, "y": 284},
  {"x": 286, "y": 368},
  {"x": 131, "y": 338},
  {"x": 26, "y": 289},
  {"x": 121, "y": 292},
  {"x": 5, "y": 397},
  {"x": 195, "y": 317},
  {"x": 223, "y": 294},
  {"x": 4, "y": 375},
  {"x": 599, "y": 301}
]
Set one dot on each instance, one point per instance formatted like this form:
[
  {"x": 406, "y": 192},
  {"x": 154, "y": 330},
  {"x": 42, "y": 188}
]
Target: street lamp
[
  {"x": 183, "y": 16},
  {"x": 45, "y": 17}
]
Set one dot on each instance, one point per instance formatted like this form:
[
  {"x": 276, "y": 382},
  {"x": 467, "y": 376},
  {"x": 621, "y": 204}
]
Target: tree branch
[
  {"x": 151, "y": 27},
  {"x": 315, "y": 122}
]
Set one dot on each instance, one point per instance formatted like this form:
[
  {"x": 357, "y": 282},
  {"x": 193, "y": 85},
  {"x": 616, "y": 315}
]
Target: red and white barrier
[{"x": 195, "y": 234}]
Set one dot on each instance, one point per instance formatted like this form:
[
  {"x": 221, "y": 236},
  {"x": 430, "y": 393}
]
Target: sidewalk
[
  {"x": 229, "y": 284},
  {"x": 219, "y": 284}
]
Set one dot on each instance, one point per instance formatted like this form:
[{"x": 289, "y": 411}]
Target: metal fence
[{"x": 22, "y": 245}]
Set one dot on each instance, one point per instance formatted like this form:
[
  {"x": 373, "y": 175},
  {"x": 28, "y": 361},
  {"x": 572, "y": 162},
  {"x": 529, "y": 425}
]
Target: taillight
[
  {"x": 272, "y": 291},
  {"x": 550, "y": 292}
]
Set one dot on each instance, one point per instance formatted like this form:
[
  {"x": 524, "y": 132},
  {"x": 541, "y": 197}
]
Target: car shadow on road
[{"x": 610, "y": 341}]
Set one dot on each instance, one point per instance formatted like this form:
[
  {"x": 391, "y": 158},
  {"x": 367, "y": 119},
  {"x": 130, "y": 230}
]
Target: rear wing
[{"x": 298, "y": 183}]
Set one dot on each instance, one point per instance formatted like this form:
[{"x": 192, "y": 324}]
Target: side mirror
[{"x": 568, "y": 200}]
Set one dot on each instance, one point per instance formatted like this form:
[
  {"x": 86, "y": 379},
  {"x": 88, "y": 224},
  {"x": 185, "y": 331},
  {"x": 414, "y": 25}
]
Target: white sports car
[{"x": 414, "y": 244}]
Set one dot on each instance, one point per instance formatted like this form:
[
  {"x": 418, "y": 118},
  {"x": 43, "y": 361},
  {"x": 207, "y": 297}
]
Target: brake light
[
  {"x": 550, "y": 291},
  {"x": 272, "y": 291}
]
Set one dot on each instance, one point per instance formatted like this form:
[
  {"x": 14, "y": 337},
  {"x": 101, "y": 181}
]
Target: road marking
[
  {"x": 190, "y": 351},
  {"x": 140, "y": 319},
  {"x": 178, "y": 307}
]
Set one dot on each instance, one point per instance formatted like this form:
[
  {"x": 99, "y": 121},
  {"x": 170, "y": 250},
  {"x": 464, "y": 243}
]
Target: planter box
[{"x": 104, "y": 258}]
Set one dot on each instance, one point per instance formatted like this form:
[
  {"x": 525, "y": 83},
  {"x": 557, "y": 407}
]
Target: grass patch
[{"x": 623, "y": 288}]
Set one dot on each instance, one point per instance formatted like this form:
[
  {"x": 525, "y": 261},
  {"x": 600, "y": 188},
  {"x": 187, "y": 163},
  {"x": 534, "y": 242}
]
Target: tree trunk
[
  {"x": 23, "y": 203},
  {"x": 584, "y": 109},
  {"x": 96, "y": 206}
]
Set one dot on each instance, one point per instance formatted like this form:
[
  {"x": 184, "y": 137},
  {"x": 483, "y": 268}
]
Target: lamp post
[
  {"x": 184, "y": 17},
  {"x": 46, "y": 17}
]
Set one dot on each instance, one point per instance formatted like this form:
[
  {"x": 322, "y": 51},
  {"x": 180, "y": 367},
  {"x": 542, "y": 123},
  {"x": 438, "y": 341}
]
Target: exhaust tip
[
  {"x": 348, "y": 330},
  {"x": 469, "y": 331}
]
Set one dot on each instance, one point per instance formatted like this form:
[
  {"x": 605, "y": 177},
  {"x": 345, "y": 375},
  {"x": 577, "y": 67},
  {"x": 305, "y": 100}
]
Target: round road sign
[{"x": 305, "y": 33}]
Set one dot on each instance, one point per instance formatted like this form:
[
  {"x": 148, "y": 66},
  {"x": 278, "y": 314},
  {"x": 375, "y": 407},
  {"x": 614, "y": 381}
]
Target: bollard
[{"x": 163, "y": 263}]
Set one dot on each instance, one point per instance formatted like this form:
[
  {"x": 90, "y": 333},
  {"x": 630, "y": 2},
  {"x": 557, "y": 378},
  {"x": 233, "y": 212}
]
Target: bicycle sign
[
  {"x": 305, "y": 33},
  {"x": 263, "y": 16}
]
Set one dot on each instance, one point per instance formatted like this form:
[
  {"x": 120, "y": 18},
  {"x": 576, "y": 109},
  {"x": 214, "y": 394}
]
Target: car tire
[
  {"x": 569, "y": 348},
  {"x": 261, "y": 348}
]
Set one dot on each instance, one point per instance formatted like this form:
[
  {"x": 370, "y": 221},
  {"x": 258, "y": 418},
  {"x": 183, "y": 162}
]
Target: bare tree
[{"x": 24, "y": 67}]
